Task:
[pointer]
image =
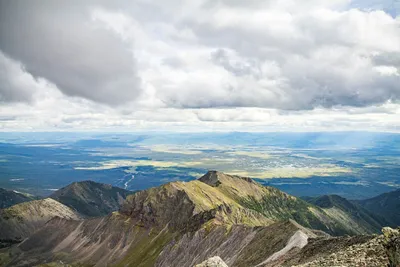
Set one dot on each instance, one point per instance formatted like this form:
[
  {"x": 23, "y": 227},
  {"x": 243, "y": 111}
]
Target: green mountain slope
[
  {"x": 277, "y": 205},
  {"x": 351, "y": 213},
  {"x": 185, "y": 223},
  {"x": 91, "y": 199},
  {"x": 386, "y": 205},
  {"x": 9, "y": 198}
]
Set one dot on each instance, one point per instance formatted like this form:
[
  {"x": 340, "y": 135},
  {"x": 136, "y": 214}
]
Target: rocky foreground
[{"x": 382, "y": 250}]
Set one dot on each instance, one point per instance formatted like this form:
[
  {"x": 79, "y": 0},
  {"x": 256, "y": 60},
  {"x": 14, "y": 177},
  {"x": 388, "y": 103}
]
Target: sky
[{"x": 200, "y": 65}]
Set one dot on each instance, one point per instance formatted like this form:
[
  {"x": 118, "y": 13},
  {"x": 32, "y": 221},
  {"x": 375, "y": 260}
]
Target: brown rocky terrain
[
  {"x": 185, "y": 224},
  {"x": 20, "y": 221}
]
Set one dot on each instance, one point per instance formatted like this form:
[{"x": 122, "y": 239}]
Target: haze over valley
[{"x": 354, "y": 165}]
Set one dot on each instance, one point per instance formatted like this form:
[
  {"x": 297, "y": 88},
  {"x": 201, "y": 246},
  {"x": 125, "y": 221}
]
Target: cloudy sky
[{"x": 200, "y": 65}]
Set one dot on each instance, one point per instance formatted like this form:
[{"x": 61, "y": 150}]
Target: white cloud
[
  {"x": 16, "y": 85},
  {"x": 202, "y": 65}
]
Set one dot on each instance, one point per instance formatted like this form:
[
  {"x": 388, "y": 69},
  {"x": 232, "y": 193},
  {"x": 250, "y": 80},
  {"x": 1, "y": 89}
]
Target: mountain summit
[
  {"x": 91, "y": 199},
  {"x": 215, "y": 178}
]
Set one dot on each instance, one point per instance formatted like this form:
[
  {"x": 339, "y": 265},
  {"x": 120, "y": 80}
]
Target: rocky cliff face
[
  {"x": 185, "y": 224},
  {"x": 391, "y": 242}
]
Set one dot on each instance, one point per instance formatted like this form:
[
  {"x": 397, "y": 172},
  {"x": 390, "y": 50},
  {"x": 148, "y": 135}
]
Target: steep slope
[
  {"x": 277, "y": 205},
  {"x": 386, "y": 205},
  {"x": 115, "y": 240},
  {"x": 351, "y": 213},
  {"x": 91, "y": 199},
  {"x": 19, "y": 221},
  {"x": 184, "y": 224},
  {"x": 9, "y": 198},
  {"x": 240, "y": 246}
]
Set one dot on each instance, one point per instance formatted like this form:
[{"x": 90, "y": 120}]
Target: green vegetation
[
  {"x": 4, "y": 258},
  {"x": 351, "y": 212},
  {"x": 145, "y": 252},
  {"x": 386, "y": 205}
]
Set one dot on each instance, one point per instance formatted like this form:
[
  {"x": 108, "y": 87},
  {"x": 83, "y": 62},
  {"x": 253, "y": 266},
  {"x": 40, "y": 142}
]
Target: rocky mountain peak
[
  {"x": 215, "y": 178},
  {"x": 212, "y": 178}
]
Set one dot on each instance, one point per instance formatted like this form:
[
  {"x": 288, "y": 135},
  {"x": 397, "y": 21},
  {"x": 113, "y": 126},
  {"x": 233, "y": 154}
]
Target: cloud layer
[{"x": 180, "y": 62}]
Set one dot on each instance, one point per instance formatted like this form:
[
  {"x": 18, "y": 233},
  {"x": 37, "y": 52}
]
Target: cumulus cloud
[
  {"x": 204, "y": 62},
  {"x": 60, "y": 42},
  {"x": 16, "y": 85},
  {"x": 321, "y": 56}
]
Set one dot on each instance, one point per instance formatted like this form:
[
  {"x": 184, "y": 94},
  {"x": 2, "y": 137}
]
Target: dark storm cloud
[{"x": 58, "y": 41}]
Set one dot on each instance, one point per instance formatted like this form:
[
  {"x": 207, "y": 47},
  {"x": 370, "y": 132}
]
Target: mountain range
[
  {"x": 187, "y": 223},
  {"x": 76, "y": 201}
]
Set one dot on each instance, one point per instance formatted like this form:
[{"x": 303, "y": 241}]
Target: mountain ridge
[
  {"x": 91, "y": 199},
  {"x": 21, "y": 220},
  {"x": 386, "y": 205},
  {"x": 350, "y": 211},
  {"x": 9, "y": 198},
  {"x": 185, "y": 223}
]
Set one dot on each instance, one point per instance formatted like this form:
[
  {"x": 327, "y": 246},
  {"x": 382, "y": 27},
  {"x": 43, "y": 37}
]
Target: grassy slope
[
  {"x": 277, "y": 206},
  {"x": 350, "y": 212}
]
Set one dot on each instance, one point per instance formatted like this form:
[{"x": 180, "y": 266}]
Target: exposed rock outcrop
[
  {"x": 213, "y": 262},
  {"x": 391, "y": 241}
]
